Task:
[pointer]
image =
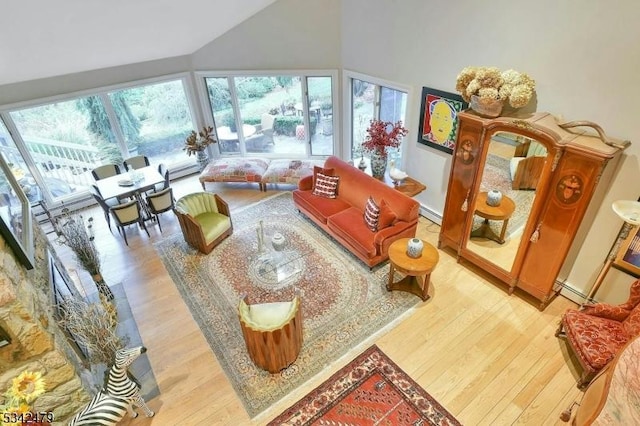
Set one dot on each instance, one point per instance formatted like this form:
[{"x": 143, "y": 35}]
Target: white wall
[
  {"x": 289, "y": 34},
  {"x": 583, "y": 55},
  {"x": 46, "y": 87}
]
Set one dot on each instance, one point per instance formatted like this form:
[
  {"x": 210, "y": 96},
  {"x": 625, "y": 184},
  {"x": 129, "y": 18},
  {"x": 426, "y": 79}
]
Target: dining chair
[
  {"x": 127, "y": 214},
  {"x": 267, "y": 122},
  {"x": 164, "y": 171},
  {"x": 105, "y": 171},
  {"x": 136, "y": 162},
  {"x": 105, "y": 204},
  {"x": 160, "y": 202}
]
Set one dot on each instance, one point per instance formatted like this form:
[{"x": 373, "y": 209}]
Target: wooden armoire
[{"x": 573, "y": 166}]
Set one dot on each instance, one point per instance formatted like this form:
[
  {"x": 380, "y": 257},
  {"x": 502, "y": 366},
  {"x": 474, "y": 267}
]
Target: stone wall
[{"x": 37, "y": 343}]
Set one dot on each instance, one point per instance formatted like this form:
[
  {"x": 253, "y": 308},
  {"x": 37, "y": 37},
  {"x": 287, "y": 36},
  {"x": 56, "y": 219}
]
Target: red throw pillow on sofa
[
  {"x": 326, "y": 186},
  {"x": 387, "y": 216},
  {"x": 371, "y": 214},
  {"x": 318, "y": 169}
]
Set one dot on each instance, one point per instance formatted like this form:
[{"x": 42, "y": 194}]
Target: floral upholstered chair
[{"x": 597, "y": 332}]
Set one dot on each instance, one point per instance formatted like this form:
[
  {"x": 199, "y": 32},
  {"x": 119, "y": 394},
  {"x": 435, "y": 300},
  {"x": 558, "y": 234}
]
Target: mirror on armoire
[{"x": 507, "y": 190}]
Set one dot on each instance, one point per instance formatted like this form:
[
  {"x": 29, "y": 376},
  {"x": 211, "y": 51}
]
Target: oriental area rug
[
  {"x": 344, "y": 303},
  {"x": 370, "y": 390}
]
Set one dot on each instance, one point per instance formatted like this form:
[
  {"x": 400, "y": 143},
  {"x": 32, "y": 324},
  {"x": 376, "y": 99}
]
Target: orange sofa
[{"x": 342, "y": 217}]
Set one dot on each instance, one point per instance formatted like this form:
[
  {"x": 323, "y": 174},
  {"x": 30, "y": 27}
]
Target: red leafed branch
[{"x": 382, "y": 135}]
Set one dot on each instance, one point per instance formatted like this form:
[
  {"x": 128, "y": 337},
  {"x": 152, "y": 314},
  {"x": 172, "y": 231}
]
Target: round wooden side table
[
  {"x": 501, "y": 212},
  {"x": 417, "y": 271}
]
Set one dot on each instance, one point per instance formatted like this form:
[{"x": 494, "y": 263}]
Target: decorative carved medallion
[
  {"x": 569, "y": 189},
  {"x": 466, "y": 152}
]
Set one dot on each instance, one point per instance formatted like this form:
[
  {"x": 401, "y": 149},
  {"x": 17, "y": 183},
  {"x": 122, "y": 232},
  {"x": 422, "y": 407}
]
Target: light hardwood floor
[{"x": 489, "y": 358}]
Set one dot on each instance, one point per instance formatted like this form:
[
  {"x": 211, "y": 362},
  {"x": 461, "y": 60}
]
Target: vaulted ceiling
[{"x": 44, "y": 38}]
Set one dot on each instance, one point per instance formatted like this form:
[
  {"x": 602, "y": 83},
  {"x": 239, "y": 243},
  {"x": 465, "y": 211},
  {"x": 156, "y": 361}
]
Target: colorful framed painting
[
  {"x": 628, "y": 258},
  {"x": 439, "y": 119}
]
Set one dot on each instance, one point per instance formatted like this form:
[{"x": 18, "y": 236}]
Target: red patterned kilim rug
[{"x": 370, "y": 390}]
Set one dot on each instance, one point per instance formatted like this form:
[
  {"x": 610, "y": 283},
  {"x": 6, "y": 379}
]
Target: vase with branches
[
  {"x": 197, "y": 142},
  {"x": 382, "y": 135},
  {"x": 78, "y": 236}
]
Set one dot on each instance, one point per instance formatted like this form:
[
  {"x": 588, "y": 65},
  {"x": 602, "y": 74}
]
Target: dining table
[{"x": 130, "y": 184}]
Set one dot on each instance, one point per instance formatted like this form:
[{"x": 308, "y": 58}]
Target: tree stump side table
[{"x": 417, "y": 271}]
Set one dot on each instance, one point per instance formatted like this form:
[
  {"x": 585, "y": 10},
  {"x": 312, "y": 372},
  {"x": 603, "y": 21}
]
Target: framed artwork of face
[{"x": 439, "y": 119}]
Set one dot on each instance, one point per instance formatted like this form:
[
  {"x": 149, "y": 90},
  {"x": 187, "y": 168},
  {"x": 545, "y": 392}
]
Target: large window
[
  {"x": 284, "y": 115},
  {"x": 56, "y": 144},
  {"x": 372, "y": 99}
]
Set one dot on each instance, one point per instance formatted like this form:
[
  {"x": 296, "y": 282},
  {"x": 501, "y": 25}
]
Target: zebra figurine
[{"x": 118, "y": 395}]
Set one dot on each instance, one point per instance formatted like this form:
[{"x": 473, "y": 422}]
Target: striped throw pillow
[
  {"x": 326, "y": 186},
  {"x": 371, "y": 214}
]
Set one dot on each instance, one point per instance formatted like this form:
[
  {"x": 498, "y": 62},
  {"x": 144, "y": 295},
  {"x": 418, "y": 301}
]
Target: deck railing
[{"x": 66, "y": 161}]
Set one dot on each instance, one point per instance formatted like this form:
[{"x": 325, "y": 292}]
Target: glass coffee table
[{"x": 278, "y": 262}]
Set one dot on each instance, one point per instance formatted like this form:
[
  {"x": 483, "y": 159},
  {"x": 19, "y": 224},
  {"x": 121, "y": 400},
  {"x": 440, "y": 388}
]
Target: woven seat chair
[
  {"x": 127, "y": 214},
  {"x": 597, "y": 332},
  {"x": 204, "y": 219},
  {"x": 160, "y": 202},
  {"x": 136, "y": 162},
  {"x": 272, "y": 332},
  {"x": 105, "y": 204},
  {"x": 105, "y": 171}
]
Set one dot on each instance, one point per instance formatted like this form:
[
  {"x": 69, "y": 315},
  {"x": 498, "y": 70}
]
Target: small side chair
[
  {"x": 105, "y": 204},
  {"x": 164, "y": 171},
  {"x": 105, "y": 171},
  {"x": 127, "y": 214},
  {"x": 272, "y": 332},
  {"x": 204, "y": 219},
  {"x": 160, "y": 202},
  {"x": 136, "y": 162}
]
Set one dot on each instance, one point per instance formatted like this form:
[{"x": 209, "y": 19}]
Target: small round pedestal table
[
  {"x": 502, "y": 212},
  {"x": 417, "y": 271}
]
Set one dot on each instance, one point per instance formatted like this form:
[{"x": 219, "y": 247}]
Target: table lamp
[{"x": 629, "y": 211}]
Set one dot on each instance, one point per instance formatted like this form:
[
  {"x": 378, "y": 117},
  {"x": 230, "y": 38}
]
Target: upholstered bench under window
[
  {"x": 235, "y": 169},
  {"x": 260, "y": 170},
  {"x": 289, "y": 171}
]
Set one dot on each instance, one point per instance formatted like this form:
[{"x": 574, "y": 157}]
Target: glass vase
[{"x": 203, "y": 159}]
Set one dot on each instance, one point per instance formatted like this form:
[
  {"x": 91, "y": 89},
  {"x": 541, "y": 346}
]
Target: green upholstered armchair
[{"x": 204, "y": 219}]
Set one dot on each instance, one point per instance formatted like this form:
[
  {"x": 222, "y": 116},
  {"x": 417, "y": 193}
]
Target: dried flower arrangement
[
  {"x": 24, "y": 390},
  {"x": 78, "y": 236},
  {"x": 489, "y": 84},
  {"x": 379, "y": 138},
  {"x": 197, "y": 142},
  {"x": 93, "y": 326}
]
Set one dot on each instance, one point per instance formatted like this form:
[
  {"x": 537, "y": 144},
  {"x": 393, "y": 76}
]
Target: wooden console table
[{"x": 408, "y": 186}]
